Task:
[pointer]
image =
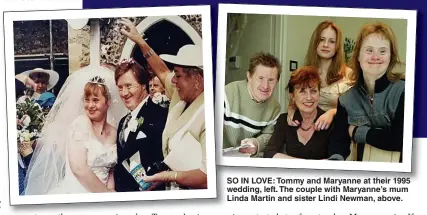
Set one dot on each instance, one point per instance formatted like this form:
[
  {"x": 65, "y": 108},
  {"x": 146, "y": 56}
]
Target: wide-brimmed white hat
[
  {"x": 53, "y": 76},
  {"x": 188, "y": 55}
]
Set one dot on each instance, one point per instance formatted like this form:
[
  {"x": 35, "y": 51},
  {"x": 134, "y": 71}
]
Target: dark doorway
[{"x": 163, "y": 37}]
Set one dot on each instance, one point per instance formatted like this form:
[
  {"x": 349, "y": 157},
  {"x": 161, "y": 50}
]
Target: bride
[{"x": 76, "y": 150}]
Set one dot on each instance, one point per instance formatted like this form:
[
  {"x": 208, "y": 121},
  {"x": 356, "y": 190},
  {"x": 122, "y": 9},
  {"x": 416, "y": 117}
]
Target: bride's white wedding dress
[
  {"x": 67, "y": 124},
  {"x": 101, "y": 158}
]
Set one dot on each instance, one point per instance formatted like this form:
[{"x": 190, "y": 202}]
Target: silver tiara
[{"x": 97, "y": 80}]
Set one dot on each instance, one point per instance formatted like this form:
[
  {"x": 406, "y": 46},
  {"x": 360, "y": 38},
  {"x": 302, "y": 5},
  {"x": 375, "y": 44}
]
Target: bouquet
[
  {"x": 161, "y": 100},
  {"x": 31, "y": 117}
]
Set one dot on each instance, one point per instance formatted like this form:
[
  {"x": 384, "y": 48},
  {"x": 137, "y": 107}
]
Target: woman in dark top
[
  {"x": 302, "y": 142},
  {"x": 20, "y": 81}
]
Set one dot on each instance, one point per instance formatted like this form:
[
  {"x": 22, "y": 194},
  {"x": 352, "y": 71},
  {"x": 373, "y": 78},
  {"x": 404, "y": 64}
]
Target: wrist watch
[{"x": 149, "y": 54}]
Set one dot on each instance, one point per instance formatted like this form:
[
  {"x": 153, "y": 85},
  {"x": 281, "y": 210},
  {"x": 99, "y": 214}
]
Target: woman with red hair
[{"x": 303, "y": 141}]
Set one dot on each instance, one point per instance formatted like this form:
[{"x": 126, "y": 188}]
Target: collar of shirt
[
  {"x": 380, "y": 84},
  {"x": 135, "y": 112}
]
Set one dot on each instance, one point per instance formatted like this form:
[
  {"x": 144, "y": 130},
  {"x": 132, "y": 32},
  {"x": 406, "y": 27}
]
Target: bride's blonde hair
[
  {"x": 96, "y": 90},
  {"x": 96, "y": 86}
]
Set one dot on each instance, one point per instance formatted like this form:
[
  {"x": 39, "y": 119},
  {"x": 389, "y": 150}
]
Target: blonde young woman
[
  {"x": 326, "y": 53},
  {"x": 371, "y": 113},
  {"x": 77, "y": 151}
]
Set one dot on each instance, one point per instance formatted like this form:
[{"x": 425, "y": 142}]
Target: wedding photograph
[
  {"x": 110, "y": 108},
  {"x": 320, "y": 88}
]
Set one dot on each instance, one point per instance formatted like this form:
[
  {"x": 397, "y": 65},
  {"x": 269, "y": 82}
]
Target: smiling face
[
  {"x": 304, "y": 88},
  {"x": 95, "y": 102},
  {"x": 131, "y": 92},
  {"x": 262, "y": 82},
  {"x": 189, "y": 86},
  {"x": 306, "y": 99},
  {"x": 156, "y": 86},
  {"x": 374, "y": 56},
  {"x": 326, "y": 47}
]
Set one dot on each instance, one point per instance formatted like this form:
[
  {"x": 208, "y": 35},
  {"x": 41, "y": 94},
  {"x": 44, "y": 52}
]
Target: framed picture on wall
[{"x": 293, "y": 65}]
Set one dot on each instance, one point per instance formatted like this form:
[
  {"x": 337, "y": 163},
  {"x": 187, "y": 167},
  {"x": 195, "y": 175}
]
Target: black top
[
  {"x": 19, "y": 88},
  {"x": 149, "y": 147},
  {"x": 285, "y": 140}
]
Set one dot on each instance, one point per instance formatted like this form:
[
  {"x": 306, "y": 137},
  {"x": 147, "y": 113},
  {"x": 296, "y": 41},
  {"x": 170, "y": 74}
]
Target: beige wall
[
  {"x": 262, "y": 33},
  {"x": 78, "y": 48}
]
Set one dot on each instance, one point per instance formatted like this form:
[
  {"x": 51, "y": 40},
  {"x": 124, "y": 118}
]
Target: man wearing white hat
[{"x": 184, "y": 134}]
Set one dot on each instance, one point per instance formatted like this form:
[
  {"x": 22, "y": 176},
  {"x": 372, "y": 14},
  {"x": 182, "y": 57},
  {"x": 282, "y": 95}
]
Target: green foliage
[{"x": 348, "y": 48}]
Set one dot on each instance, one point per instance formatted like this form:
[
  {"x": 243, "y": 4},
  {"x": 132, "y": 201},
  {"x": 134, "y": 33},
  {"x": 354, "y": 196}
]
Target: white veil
[{"x": 48, "y": 163}]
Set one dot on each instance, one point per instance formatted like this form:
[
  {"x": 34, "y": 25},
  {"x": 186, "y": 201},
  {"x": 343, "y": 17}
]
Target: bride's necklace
[{"x": 102, "y": 130}]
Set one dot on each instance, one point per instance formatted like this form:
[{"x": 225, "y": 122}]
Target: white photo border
[
  {"x": 10, "y": 17},
  {"x": 409, "y": 15}
]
